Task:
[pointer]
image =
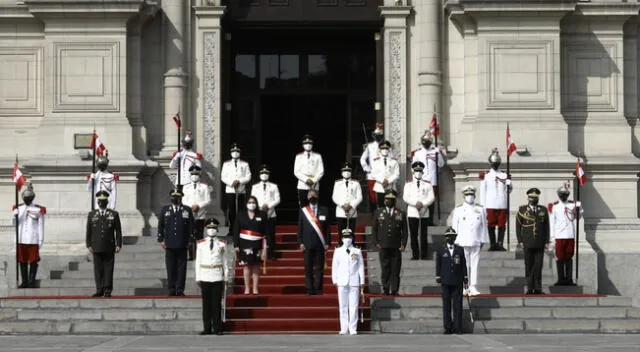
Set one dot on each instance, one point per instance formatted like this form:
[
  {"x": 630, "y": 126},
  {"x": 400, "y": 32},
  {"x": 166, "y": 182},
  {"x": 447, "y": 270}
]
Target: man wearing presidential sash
[{"x": 314, "y": 238}]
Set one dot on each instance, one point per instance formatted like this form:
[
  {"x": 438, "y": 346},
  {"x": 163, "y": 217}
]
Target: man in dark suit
[
  {"x": 451, "y": 274},
  {"x": 103, "y": 239},
  {"x": 314, "y": 239},
  {"x": 174, "y": 232},
  {"x": 390, "y": 238},
  {"x": 532, "y": 230}
]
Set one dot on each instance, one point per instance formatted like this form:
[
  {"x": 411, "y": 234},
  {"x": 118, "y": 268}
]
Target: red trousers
[
  {"x": 28, "y": 253},
  {"x": 372, "y": 193},
  {"x": 497, "y": 217},
  {"x": 565, "y": 248}
]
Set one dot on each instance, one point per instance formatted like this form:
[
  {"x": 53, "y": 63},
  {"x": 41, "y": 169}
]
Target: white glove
[
  {"x": 508, "y": 182},
  {"x": 93, "y": 176},
  {"x": 578, "y": 204}
]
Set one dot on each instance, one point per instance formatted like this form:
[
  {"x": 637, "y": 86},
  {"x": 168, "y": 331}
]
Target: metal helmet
[
  {"x": 564, "y": 189},
  {"x": 187, "y": 141},
  {"x": 426, "y": 136},
  {"x": 495, "y": 158},
  {"x": 103, "y": 161},
  {"x": 28, "y": 192},
  {"x": 379, "y": 131}
]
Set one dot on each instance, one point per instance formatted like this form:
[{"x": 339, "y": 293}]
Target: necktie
[
  {"x": 347, "y": 184},
  {"x": 194, "y": 185},
  {"x": 264, "y": 187},
  {"x": 236, "y": 162},
  {"x": 308, "y": 155},
  {"x": 418, "y": 183},
  {"x": 211, "y": 244},
  {"x": 348, "y": 251},
  {"x": 385, "y": 161}
]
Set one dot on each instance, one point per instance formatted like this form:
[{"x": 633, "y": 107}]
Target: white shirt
[
  {"x": 470, "y": 223},
  {"x": 105, "y": 181},
  {"x": 267, "y": 193},
  {"x": 428, "y": 158},
  {"x": 562, "y": 218},
  {"x": 197, "y": 194},
  {"x": 211, "y": 264},
  {"x": 347, "y": 269},
  {"x": 418, "y": 191},
  {"x": 380, "y": 172},
  {"x": 31, "y": 223},
  {"x": 187, "y": 158},
  {"x": 235, "y": 169},
  {"x": 347, "y": 191},
  {"x": 371, "y": 151},
  {"x": 493, "y": 190},
  {"x": 308, "y": 165}
]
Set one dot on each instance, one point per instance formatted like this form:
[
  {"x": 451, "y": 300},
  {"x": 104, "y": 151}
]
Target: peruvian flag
[
  {"x": 176, "y": 119},
  {"x": 582, "y": 178},
  {"x": 97, "y": 145},
  {"x": 511, "y": 145},
  {"x": 434, "y": 126},
  {"x": 18, "y": 177}
]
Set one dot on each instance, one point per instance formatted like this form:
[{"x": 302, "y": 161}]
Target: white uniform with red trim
[
  {"x": 428, "y": 158},
  {"x": 562, "y": 216},
  {"x": 30, "y": 223},
  {"x": 493, "y": 189},
  {"x": 185, "y": 159},
  {"x": 381, "y": 171},
  {"x": 105, "y": 181}
]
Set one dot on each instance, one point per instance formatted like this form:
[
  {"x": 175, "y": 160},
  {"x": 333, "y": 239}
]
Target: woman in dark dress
[{"x": 250, "y": 242}]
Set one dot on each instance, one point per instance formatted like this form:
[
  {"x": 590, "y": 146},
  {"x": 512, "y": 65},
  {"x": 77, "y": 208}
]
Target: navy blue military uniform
[
  {"x": 451, "y": 274},
  {"x": 174, "y": 232}
]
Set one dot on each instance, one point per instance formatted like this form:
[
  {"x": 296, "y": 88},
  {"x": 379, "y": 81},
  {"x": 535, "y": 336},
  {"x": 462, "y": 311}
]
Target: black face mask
[
  {"x": 102, "y": 167},
  {"x": 451, "y": 240},
  {"x": 563, "y": 197},
  {"x": 103, "y": 203},
  {"x": 495, "y": 166},
  {"x": 313, "y": 200},
  {"x": 378, "y": 137},
  {"x": 187, "y": 145},
  {"x": 426, "y": 144},
  {"x": 28, "y": 200},
  {"x": 175, "y": 200},
  {"x": 533, "y": 201},
  {"x": 389, "y": 203}
]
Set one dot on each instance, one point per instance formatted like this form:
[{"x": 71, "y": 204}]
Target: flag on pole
[
  {"x": 177, "y": 120},
  {"x": 97, "y": 145},
  {"x": 511, "y": 145},
  {"x": 582, "y": 178},
  {"x": 434, "y": 126},
  {"x": 18, "y": 177}
]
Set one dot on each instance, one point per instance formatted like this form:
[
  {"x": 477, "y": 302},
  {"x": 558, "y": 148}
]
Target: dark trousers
[
  {"x": 314, "y": 268},
  {"x": 390, "y": 263},
  {"x": 270, "y": 232},
  {"x": 176, "y": 261},
  {"x": 342, "y": 224},
  {"x": 302, "y": 197},
  {"x": 533, "y": 267},
  {"x": 432, "y": 207},
  {"x": 103, "y": 271},
  {"x": 380, "y": 199},
  {"x": 212, "y": 305},
  {"x": 198, "y": 234},
  {"x": 419, "y": 230},
  {"x": 230, "y": 204},
  {"x": 452, "y": 298}
]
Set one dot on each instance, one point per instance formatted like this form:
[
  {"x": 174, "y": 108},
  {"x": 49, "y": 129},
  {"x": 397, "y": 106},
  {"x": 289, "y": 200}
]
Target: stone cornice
[
  {"x": 486, "y": 6},
  {"x": 86, "y": 9},
  {"x": 14, "y": 11},
  {"x": 609, "y": 9}
]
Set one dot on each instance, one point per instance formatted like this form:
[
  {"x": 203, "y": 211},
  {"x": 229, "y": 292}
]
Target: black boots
[
  {"x": 33, "y": 270},
  {"x": 499, "y": 245},
  {"x": 561, "y": 272},
  {"x": 565, "y": 273},
  {"x": 492, "y": 239},
  {"x": 24, "y": 273}
]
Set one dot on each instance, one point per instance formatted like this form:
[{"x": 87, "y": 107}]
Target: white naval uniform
[
  {"x": 428, "y": 158},
  {"x": 232, "y": 170},
  {"x": 197, "y": 194},
  {"x": 347, "y": 272},
  {"x": 371, "y": 151},
  {"x": 562, "y": 216},
  {"x": 347, "y": 191},
  {"x": 211, "y": 264},
  {"x": 308, "y": 165},
  {"x": 31, "y": 223},
  {"x": 269, "y": 195},
  {"x": 105, "y": 181},
  {"x": 470, "y": 223},
  {"x": 418, "y": 191},
  {"x": 494, "y": 190},
  {"x": 186, "y": 159},
  {"x": 380, "y": 172}
]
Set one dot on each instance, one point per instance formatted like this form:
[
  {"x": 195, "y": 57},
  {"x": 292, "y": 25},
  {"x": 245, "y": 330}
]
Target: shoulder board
[
  {"x": 396, "y": 159},
  {"x": 116, "y": 176},
  {"x": 478, "y": 206},
  {"x": 481, "y": 174},
  {"x": 43, "y": 210},
  {"x": 338, "y": 180},
  {"x": 223, "y": 241},
  {"x": 460, "y": 204},
  {"x": 174, "y": 154},
  {"x": 226, "y": 162},
  {"x": 199, "y": 156},
  {"x": 355, "y": 179},
  {"x": 425, "y": 181},
  {"x": 88, "y": 177},
  {"x": 570, "y": 201},
  {"x": 204, "y": 184},
  {"x": 376, "y": 158},
  {"x": 200, "y": 241}
]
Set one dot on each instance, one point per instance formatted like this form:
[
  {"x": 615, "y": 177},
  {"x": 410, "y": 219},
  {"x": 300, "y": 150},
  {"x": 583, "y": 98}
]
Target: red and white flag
[
  {"x": 96, "y": 145},
  {"x": 434, "y": 126},
  {"x": 177, "y": 120},
  {"x": 511, "y": 145},
  {"x": 18, "y": 177},
  {"x": 582, "y": 178}
]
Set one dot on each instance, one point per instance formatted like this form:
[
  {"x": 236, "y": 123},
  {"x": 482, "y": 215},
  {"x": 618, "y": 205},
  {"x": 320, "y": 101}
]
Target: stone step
[
  {"x": 374, "y": 262},
  {"x": 162, "y": 273},
  {"x": 406, "y": 255},
  {"x": 161, "y": 282},
  {"x": 504, "y": 302},
  {"x": 482, "y": 273},
  {"x": 512, "y": 287},
  {"x": 88, "y": 291}
]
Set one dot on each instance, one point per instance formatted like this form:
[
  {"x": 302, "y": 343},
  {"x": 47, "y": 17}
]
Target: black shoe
[
  {"x": 311, "y": 293},
  {"x": 172, "y": 294},
  {"x": 570, "y": 283},
  {"x": 538, "y": 292},
  {"x": 424, "y": 258},
  {"x": 107, "y": 294},
  {"x": 394, "y": 293},
  {"x": 413, "y": 258},
  {"x": 501, "y": 249},
  {"x": 458, "y": 332},
  {"x": 530, "y": 292},
  {"x": 180, "y": 294},
  {"x": 385, "y": 292},
  {"x": 98, "y": 294},
  {"x": 206, "y": 332},
  {"x": 219, "y": 333},
  {"x": 448, "y": 331}
]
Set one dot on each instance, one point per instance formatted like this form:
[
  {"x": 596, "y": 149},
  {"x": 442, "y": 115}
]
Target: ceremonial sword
[{"x": 224, "y": 303}]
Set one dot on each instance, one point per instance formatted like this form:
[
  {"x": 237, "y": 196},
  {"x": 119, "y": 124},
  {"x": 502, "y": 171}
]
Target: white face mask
[
  {"x": 347, "y": 242},
  {"x": 212, "y": 232},
  {"x": 346, "y": 174},
  {"x": 418, "y": 175},
  {"x": 251, "y": 206},
  {"x": 235, "y": 155},
  {"x": 469, "y": 199},
  {"x": 307, "y": 147},
  {"x": 195, "y": 178},
  {"x": 384, "y": 152},
  {"x": 264, "y": 177}
]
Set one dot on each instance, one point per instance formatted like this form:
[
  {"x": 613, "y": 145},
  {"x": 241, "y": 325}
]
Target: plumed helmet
[
  {"x": 379, "y": 129},
  {"x": 187, "y": 141},
  {"x": 495, "y": 157},
  {"x": 426, "y": 136},
  {"x": 564, "y": 189},
  {"x": 103, "y": 159},
  {"x": 28, "y": 192}
]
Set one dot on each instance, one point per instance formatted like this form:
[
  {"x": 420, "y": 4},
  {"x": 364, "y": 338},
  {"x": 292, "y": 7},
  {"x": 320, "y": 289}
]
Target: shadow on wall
[{"x": 152, "y": 76}]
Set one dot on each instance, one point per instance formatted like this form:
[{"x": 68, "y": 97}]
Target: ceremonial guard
[
  {"x": 30, "y": 236},
  {"x": 308, "y": 169},
  {"x": 212, "y": 274},
  {"x": 347, "y": 273},
  {"x": 494, "y": 191},
  {"x": 469, "y": 220},
  {"x": 390, "y": 238},
  {"x": 562, "y": 216},
  {"x": 250, "y": 242},
  {"x": 186, "y": 158},
  {"x": 433, "y": 157},
  {"x": 268, "y": 195},
  {"x": 419, "y": 196},
  {"x": 174, "y": 233},
  {"x": 386, "y": 171},
  {"x": 235, "y": 175},
  {"x": 314, "y": 238},
  {"x": 371, "y": 152},
  {"x": 103, "y": 180},
  {"x": 451, "y": 275},
  {"x": 103, "y": 240},
  {"x": 532, "y": 229},
  {"x": 197, "y": 196},
  {"x": 347, "y": 195}
]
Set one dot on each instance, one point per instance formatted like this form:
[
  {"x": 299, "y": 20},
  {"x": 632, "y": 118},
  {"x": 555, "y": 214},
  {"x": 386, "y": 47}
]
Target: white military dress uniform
[
  {"x": 418, "y": 191},
  {"x": 470, "y": 223},
  {"x": 30, "y": 223},
  {"x": 428, "y": 158},
  {"x": 185, "y": 159},
  {"x": 562, "y": 217},
  {"x": 347, "y": 191},
  {"x": 385, "y": 168},
  {"x": 199, "y": 194},
  {"x": 371, "y": 151},
  {"x": 493, "y": 190},
  {"x": 308, "y": 165},
  {"x": 211, "y": 263},
  {"x": 347, "y": 272},
  {"x": 105, "y": 181},
  {"x": 235, "y": 169},
  {"x": 267, "y": 193}
]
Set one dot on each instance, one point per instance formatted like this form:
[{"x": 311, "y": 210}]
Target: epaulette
[
  {"x": 479, "y": 205},
  {"x": 199, "y": 156},
  {"x": 339, "y": 179},
  {"x": 174, "y": 154},
  {"x": 570, "y": 201},
  {"x": 43, "y": 210},
  {"x": 377, "y": 158},
  {"x": 482, "y": 174},
  {"x": 223, "y": 241},
  {"x": 413, "y": 152},
  {"x": 201, "y": 240},
  {"x": 396, "y": 159},
  {"x": 116, "y": 176},
  {"x": 88, "y": 177},
  {"x": 550, "y": 205},
  {"x": 300, "y": 153}
]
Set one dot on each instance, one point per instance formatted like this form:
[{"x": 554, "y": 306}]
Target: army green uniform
[
  {"x": 532, "y": 229},
  {"x": 389, "y": 235},
  {"x": 104, "y": 234}
]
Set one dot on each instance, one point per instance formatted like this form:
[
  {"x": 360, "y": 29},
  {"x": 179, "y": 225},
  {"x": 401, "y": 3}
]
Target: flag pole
[
  {"x": 435, "y": 140},
  {"x": 577, "y": 197},
  {"x": 508, "y": 194},
  {"x": 93, "y": 171},
  {"x": 17, "y": 218},
  {"x": 179, "y": 181}
]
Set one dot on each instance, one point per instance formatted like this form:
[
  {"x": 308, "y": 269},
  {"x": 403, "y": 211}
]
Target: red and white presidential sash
[
  {"x": 250, "y": 235},
  {"x": 315, "y": 223}
]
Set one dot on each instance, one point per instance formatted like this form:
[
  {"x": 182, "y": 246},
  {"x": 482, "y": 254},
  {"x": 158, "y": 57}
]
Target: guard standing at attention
[
  {"x": 212, "y": 273},
  {"x": 390, "y": 238},
  {"x": 451, "y": 274},
  {"x": 532, "y": 229},
  {"x": 31, "y": 236}
]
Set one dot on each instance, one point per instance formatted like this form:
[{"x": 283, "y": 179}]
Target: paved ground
[{"x": 323, "y": 343}]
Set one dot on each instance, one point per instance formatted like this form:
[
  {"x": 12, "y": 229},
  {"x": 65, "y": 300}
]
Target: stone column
[
  {"x": 134, "y": 88},
  {"x": 208, "y": 71}
]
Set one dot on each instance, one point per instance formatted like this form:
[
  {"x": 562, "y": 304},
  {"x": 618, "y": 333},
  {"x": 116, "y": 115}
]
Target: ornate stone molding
[
  {"x": 395, "y": 91},
  {"x": 210, "y": 102}
]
